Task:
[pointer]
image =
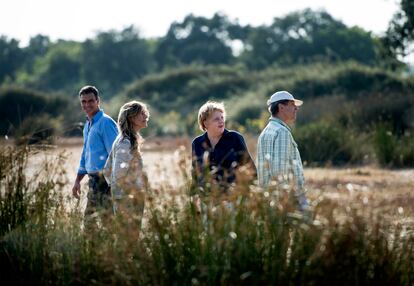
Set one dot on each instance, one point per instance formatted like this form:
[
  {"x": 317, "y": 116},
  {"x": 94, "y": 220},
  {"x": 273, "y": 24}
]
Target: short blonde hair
[{"x": 207, "y": 109}]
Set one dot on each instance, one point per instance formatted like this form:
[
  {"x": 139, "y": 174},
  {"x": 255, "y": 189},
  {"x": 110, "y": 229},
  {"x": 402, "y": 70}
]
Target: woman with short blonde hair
[
  {"x": 207, "y": 109},
  {"x": 218, "y": 152}
]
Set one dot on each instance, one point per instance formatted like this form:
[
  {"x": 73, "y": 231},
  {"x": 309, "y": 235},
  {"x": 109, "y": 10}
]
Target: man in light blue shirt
[{"x": 99, "y": 134}]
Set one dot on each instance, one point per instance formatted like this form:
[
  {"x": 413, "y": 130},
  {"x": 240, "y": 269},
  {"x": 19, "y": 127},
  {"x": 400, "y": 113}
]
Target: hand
[
  {"x": 76, "y": 190},
  {"x": 197, "y": 204}
]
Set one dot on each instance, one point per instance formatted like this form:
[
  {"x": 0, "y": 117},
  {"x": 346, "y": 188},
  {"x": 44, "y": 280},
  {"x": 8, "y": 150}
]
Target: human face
[
  {"x": 214, "y": 124},
  {"x": 140, "y": 120},
  {"x": 90, "y": 104},
  {"x": 288, "y": 112}
]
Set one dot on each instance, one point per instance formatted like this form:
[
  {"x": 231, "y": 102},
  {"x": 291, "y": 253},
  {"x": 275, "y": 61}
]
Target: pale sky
[{"x": 81, "y": 19}]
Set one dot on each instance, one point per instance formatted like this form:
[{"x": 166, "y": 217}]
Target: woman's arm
[{"x": 122, "y": 164}]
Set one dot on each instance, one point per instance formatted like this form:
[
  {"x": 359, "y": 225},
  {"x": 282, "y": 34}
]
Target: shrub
[
  {"x": 246, "y": 113},
  {"x": 391, "y": 150},
  {"x": 384, "y": 145},
  {"x": 37, "y": 129},
  {"x": 16, "y": 104},
  {"x": 323, "y": 143},
  {"x": 184, "y": 88},
  {"x": 405, "y": 150}
]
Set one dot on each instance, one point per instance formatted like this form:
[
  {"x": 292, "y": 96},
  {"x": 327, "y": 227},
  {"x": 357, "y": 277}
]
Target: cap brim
[{"x": 298, "y": 102}]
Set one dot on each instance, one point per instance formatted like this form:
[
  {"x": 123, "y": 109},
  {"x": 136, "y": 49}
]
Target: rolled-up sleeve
[{"x": 82, "y": 167}]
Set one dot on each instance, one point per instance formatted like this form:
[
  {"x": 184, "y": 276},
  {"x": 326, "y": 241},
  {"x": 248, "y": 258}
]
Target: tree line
[{"x": 112, "y": 59}]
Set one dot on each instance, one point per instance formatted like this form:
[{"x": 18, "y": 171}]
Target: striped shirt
[{"x": 278, "y": 158}]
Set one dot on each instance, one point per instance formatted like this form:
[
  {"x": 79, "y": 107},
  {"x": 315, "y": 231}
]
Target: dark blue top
[
  {"x": 221, "y": 162},
  {"x": 98, "y": 135}
]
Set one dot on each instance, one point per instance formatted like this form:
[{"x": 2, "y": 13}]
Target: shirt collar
[
  {"x": 279, "y": 121},
  {"x": 208, "y": 141},
  {"x": 97, "y": 116}
]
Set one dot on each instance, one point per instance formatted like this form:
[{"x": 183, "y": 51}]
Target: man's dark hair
[
  {"x": 274, "y": 107},
  {"x": 89, "y": 89}
]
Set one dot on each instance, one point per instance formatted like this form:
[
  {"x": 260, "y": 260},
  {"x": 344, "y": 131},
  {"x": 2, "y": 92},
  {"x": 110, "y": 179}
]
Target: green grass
[{"x": 262, "y": 241}]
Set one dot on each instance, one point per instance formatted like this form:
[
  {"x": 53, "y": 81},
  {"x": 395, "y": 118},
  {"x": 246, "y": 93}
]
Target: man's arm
[
  {"x": 76, "y": 190},
  {"x": 109, "y": 133},
  {"x": 297, "y": 170},
  {"x": 280, "y": 157}
]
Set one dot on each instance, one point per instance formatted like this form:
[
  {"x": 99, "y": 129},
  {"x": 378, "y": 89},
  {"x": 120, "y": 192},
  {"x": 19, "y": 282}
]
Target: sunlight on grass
[{"x": 261, "y": 239}]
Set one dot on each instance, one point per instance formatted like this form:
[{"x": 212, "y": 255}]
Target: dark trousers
[{"x": 99, "y": 205}]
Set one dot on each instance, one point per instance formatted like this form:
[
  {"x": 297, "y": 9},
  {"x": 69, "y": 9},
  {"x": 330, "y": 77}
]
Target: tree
[
  {"x": 113, "y": 59},
  {"x": 201, "y": 40},
  {"x": 11, "y": 58},
  {"x": 400, "y": 33},
  {"x": 58, "y": 70},
  {"x": 38, "y": 47},
  {"x": 17, "y": 104},
  {"x": 307, "y": 36}
]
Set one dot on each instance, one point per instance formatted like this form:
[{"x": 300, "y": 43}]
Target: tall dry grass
[{"x": 260, "y": 239}]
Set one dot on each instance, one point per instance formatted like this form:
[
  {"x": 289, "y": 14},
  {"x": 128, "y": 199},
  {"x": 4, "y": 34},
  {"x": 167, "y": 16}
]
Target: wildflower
[{"x": 233, "y": 235}]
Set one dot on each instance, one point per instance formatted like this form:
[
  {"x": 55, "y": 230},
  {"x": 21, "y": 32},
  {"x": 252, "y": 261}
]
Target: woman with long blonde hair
[{"x": 124, "y": 170}]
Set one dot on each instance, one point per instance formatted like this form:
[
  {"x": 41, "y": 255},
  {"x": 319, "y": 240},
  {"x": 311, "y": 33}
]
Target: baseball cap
[{"x": 283, "y": 95}]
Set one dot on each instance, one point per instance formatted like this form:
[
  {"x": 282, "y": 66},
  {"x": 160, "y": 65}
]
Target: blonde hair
[
  {"x": 207, "y": 109},
  {"x": 125, "y": 127}
]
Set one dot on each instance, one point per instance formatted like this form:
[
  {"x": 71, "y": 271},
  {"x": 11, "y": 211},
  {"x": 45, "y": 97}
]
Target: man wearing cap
[
  {"x": 277, "y": 153},
  {"x": 99, "y": 134}
]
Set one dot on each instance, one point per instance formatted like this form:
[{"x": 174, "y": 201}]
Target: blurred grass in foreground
[{"x": 262, "y": 241}]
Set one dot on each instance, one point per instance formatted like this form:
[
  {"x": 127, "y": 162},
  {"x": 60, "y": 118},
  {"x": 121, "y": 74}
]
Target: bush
[
  {"x": 186, "y": 88},
  {"x": 373, "y": 109},
  {"x": 405, "y": 150},
  {"x": 350, "y": 79},
  {"x": 391, "y": 150},
  {"x": 17, "y": 104},
  {"x": 242, "y": 111},
  {"x": 37, "y": 129},
  {"x": 384, "y": 145},
  {"x": 323, "y": 143}
]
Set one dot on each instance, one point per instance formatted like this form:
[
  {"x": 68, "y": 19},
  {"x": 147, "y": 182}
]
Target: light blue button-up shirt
[{"x": 99, "y": 134}]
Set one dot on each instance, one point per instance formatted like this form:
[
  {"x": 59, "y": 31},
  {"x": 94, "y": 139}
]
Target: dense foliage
[{"x": 114, "y": 58}]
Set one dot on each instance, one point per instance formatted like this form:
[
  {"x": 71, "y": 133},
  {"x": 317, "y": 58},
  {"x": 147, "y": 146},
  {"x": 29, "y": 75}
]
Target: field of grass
[{"x": 358, "y": 231}]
